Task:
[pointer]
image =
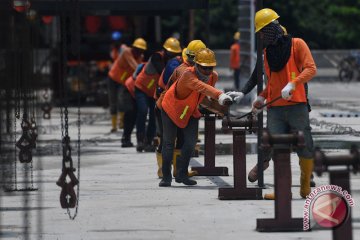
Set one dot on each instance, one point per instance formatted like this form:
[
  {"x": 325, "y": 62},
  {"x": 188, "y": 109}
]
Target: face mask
[
  {"x": 272, "y": 32},
  {"x": 202, "y": 77}
]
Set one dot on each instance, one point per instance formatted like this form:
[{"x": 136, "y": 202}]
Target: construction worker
[
  {"x": 235, "y": 59},
  {"x": 180, "y": 110},
  {"x": 173, "y": 70},
  {"x": 130, "y": 113},
  {"x": 288, "y": 66},
  {"x": 145, "y": 86},
  {"x": 123, "y": 67}
]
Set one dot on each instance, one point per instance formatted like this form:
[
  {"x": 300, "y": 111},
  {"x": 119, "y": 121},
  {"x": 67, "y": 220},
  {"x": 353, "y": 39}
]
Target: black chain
[
  {"x": 15, "y": 157},
  {"x": 68, "y": 195}
]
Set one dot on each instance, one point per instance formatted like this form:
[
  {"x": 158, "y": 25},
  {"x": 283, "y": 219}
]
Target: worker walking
[
  {"x": 288, "y": 66},
  {"x": 235, "y": 59},
  {"x": 180, "y": 110},
  {"x": 145, "y": 86},
  {"x": 173, "y": 70},
  {"x": 123, "y": 67}
]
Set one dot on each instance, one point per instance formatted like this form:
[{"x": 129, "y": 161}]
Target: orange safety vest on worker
[
  {"x": 179, "y": 109},
  {"x": 299, "y": 69},
  {"x": 235, "y": 56},
  {"x": 124, "y": 66},
  {"x": 147, "y": 83},
  {"x": 130, "y": 82},
  {"x": 173, "y": 78}
]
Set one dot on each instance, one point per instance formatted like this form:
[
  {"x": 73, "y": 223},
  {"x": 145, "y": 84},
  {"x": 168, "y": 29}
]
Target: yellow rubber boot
[
  {"x": 306, "y": 168},
  {"x": 269, "y": 196},
  {"x": 159, "y": 162},
  {"x": 177, "y": 153},
  {"x": 113, "y": 123},
  {"x": 121, "y": 120}
]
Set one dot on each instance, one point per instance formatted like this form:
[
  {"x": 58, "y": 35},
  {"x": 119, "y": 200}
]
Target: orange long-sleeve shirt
[
  {"x": 235, "y": 56},
  {"x": 189, "y": 82},
  {"x": 277, "y": 80}
]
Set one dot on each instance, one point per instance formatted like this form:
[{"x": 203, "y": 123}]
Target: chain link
[
  {"x": 15, "y": 157},
  {"x": 65, "y": 20}
]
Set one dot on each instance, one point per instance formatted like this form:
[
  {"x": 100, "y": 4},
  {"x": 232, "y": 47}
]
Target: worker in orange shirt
[
  {"x": 173, "y": 70},
  {"x": 123, "y": 67},
  {"x": 288, "y": 66},
  {"x": 235, "y": 59},
  {"x": 180, "y": 110},
  {"x": 145, "y": 86}
]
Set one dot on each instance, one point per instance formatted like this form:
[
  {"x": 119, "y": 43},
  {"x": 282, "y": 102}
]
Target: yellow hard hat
[
  {"x": 172, "y": 45},
  {"x": 284, "y": 30},
  {"x": 263, "y": 17},
  {"x": 194, "y": 46},
  {"x": 183, "y": 54},
  {"x": 140, "y": 43},
  {"x": 205, "y": 57},
  {"x": 237, "y": 35}
]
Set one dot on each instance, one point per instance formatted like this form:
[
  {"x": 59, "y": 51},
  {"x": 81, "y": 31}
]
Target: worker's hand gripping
[
  {"x": 236, "y": 96},
  {"x": 224, "y": 99},
  {"x": 257, "y": 105},
  {"x": 286, "y": 91}
]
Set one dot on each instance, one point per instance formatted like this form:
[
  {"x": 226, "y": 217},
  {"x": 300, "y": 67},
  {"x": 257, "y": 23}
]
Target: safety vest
[
  {"x": 235, "y": 56},
  {"x": 121, "y": 69},
  {"x": 147, "y": 83},
  {"x": 278, "y": 80},
  {"x": 173, "y": 78},
  {"x": 180, "y": 110}
]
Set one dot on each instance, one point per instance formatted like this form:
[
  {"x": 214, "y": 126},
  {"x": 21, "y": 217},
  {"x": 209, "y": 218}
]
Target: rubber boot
[
  {"x": 126, "y": 143},
  {"x": 113, "y": 123},
  {"x": 306, "y": 168},
  {"x": 252, "y": 176},
  {"x": 177, "y": 153},
  {"x": 270, "y": 196},
  {"x": 159, "y": 162},
  {"x": 121, "y": 120}
]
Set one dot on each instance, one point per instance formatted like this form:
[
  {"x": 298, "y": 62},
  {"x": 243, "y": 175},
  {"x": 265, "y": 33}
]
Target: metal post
[
  {"x": 239, "y": 191},
  {"x": 340, "y": 178},
  {"x": 259, "y": 64},
  {"x": 283, "y": 222},
  {"x": 209, "y": 168},
  {"x": 344, "y": 231}
]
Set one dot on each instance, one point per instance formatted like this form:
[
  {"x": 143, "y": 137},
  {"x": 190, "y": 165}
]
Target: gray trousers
[
  {"x": 287, "y": 119},
  {"x": 169, "y": 135}
]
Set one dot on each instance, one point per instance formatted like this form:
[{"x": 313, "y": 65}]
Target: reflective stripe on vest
[
  {"x": 181, "y": 110},
  {"x": 123, "y": 76},
  {"x": 184, "y": 112},
  {"x": 150, "y": 83}
]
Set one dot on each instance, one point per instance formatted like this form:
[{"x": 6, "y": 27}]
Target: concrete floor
[{"x": 120, "y": 197}]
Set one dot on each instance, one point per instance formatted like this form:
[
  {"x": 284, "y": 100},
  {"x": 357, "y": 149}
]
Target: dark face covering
[
  {"x": 272, "y": 32},
  {"x": 278, "y": 46}
]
